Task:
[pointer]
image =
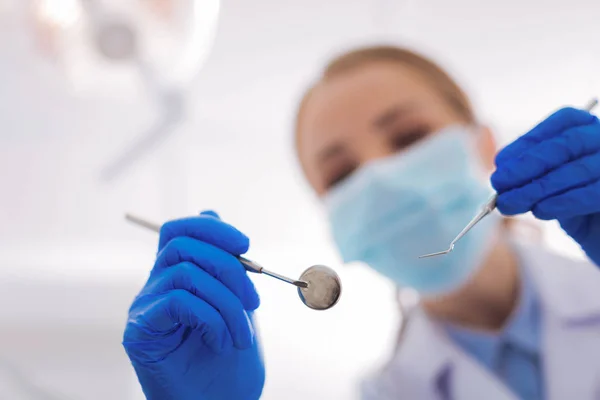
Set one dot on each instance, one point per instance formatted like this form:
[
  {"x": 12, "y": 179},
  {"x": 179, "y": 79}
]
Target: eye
[
  {"x": 402, "y": 139},
  {"x": 340, "y": 175}
]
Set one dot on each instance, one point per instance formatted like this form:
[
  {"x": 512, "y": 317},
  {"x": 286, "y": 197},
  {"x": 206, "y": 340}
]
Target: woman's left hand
[{"x": 554, "y": 172}]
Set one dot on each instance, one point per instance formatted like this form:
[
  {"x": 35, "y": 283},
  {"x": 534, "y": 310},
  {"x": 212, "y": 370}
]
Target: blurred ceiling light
[
  {"x": 119, "y": 46},
  {"x": 61, "y": 13},
  {"x": 129, "y": 52}
]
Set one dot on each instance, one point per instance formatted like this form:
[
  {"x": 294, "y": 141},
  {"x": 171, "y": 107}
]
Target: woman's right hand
[{"x": 190, "y": 331}]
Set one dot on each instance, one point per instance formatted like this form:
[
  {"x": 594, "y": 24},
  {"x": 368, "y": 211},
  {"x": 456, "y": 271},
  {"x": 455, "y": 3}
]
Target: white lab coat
[{"x": 429, "y": 366}]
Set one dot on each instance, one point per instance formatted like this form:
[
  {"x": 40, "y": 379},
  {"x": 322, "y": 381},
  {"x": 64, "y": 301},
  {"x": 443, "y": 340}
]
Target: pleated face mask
[{"x": 394, "y": 209}]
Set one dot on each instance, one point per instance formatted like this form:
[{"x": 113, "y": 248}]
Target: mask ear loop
[{"x": 477, "y": 130}]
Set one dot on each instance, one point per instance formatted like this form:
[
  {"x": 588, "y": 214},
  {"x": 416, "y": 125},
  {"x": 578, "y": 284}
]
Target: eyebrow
[
  {"x": 384, "y": 120},
  {"x": 391, "y": 115}
]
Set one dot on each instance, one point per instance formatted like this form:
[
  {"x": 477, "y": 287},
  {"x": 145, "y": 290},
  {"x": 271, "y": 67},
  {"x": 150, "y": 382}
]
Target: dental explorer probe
[{"x": 487, "y": 208}]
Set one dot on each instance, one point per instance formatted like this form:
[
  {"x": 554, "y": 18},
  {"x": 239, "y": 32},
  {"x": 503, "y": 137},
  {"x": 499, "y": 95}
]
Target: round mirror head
[{"x": 324, "y": 287}]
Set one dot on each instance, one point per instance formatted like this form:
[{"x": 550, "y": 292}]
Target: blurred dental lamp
[
  {"x": 126, "y": 49},
  {"x": 115, "y": 46}
]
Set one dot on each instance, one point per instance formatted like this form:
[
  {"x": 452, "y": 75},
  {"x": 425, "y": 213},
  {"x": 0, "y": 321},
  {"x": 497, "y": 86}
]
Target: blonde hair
[{"x": 447, "y": 87}]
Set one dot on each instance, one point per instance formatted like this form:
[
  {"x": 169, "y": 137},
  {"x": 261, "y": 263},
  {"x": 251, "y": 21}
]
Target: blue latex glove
[
  {"x": 189, "y": 335},
  {"x": 554, "y": 172}
]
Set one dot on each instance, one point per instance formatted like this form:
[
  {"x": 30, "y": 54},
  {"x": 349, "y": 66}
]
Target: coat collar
[{"x": 566, "y": 287}]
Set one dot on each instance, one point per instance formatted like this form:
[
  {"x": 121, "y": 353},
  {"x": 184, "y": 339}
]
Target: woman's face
[{"x": 367, "y": 113}]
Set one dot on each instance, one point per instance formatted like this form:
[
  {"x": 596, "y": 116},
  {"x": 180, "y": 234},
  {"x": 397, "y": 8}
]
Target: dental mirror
[{"x": 323, "y": 290}]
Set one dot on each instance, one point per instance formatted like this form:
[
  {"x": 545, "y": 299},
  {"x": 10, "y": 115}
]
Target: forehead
[{"x": 350, "y": 101}]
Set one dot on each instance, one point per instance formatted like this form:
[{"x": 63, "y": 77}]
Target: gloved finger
[
  {"x": 179, "y": 307},
  {"x": 580, "y": 201},
  {"x": 552, "y": 126},
  {"x": 537, "y": 160},
  {"x": 210, "y": 213},
  {"x": 189, "y": 277},
  {"x": 572, "y": 175},
  {"x": 216, "y": 262},
  {"x": 208, "y": 229}
]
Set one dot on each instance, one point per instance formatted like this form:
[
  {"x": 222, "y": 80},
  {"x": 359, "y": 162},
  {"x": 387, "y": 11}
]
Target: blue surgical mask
[{"x": 392, "y": 210}]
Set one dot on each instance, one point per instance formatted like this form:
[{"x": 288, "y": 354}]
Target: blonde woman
[{"x": 392, "y": 146}]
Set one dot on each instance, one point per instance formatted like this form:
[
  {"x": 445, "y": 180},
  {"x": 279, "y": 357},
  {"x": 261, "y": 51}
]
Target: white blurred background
[{"x": 206, "y": 123}]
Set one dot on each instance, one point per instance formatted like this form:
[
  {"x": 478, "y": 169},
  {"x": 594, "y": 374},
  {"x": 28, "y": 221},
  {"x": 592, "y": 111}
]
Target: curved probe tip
[{"x": 439, "y": 253}]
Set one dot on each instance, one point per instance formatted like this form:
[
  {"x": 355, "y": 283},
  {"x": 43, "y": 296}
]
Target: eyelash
[
  {"x": 339, "y": 177},
  {"x": 405, "y": 139}
]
